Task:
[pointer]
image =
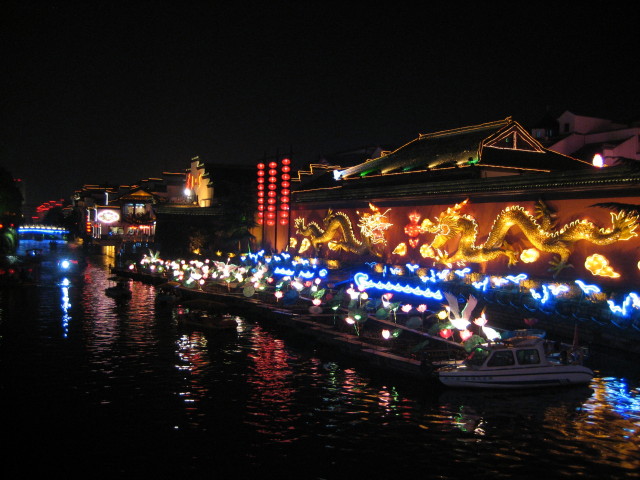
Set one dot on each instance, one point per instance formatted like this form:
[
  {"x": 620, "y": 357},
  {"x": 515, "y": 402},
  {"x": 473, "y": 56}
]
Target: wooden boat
[
  {"x": 119, "y": 291},
  {"x": 167, "y": 293},
  {"x": 208, "y": 321},
  {"x": 517, "y": 362},
  {"x": 206, "y": 315}
]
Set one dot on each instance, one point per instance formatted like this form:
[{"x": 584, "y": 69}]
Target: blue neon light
[
  {"x": 482, "y": 285},
  {"x": 631, "y": 300},
  {"x": 56, "y": 231},
  {"x": 542, "y": 297},
  {"x": 283, "y": 271},
  {"x": 588, "y": 289},
  {"x": 517, "y": 278},
  {"x": 362, "y": 281},
  {"x": 463, "y": 272}
]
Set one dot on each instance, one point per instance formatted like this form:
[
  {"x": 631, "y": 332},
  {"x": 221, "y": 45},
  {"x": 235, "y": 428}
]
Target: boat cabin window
[
  {"x": 501, "y": 358},
  {"x": 528, "y": 357},
  {"x": 477, "y": 357}
]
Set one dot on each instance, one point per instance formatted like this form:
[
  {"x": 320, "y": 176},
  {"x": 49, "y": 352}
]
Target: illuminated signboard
[{"x": 108, "y": 216}]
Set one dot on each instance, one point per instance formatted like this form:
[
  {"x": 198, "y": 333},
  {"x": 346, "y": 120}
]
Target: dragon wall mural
[
  {"x": 338, "y": 232},
  {"x": 452, "y": 237},
  {"x": 539, "y": 230}
]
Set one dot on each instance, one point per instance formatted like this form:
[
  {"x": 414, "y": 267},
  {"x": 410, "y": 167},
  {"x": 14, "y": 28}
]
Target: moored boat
[
  {"x": 119, "y": 291},
  {"x": 208, "y": 321},
  {"x": 206, "y": 315},
  {"x": 517, "y": 362}
]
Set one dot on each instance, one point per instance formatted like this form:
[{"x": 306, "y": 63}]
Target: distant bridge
[{"x": 48, "y": 232}]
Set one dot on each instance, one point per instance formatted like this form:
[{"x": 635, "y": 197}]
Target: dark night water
[{"x": 93, "y": 388}]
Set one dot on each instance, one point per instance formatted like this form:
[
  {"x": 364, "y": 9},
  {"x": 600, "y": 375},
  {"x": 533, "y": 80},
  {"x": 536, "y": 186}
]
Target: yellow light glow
[
  {"x": 529, "y": 255},
  {"x": 293, "y": 242},
  {"x": 401, "y": 249},
  {"x": 598, "y": 161},
  {"x": 426, "y": 251},
  {"x": 304, "y": 245},
  {"x": 599, "y": 265}
]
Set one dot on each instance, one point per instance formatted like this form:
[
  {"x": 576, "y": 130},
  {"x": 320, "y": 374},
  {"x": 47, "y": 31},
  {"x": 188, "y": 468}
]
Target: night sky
[{"x": 98, "y": 92}]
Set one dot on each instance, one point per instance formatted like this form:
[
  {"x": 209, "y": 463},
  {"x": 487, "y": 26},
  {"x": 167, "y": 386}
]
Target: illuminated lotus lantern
[
  {"x": 446, "y": 333},
  {"x": 465, "y": 335}
]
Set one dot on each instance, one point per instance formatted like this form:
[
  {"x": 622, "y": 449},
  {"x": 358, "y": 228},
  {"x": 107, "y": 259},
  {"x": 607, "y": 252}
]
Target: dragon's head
[
  {"x": 447, "y": 225},
  {"x": 299, "y": 223}
]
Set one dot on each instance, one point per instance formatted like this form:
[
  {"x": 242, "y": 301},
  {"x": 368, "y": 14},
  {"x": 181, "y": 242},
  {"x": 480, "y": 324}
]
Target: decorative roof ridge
[{"x": 467, "y": 129}]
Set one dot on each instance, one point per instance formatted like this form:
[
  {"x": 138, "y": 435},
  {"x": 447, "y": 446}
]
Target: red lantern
[
  {"x": 286, "y": 169},
  {"x": 261, "y": 173},
  {"x": 286, "y": 161},
  {"x": 273, "y": 172},
  {"x": 284, "y": 199},
  {"x": 261, "y": 166},
  {"x": 273, "y": 165},
  {"x": 261, "y": 180}
]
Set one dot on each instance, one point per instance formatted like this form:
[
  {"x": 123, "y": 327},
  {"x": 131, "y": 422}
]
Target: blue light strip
[
  {"x": 55, "y": 231},
  {"x": 362, "y": 281}
]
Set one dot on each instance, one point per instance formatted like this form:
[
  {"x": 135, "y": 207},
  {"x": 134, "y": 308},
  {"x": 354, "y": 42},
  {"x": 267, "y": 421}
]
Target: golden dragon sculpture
[
  {"x": 539, "y": 230},
  {"x": 338, "y": 233}
]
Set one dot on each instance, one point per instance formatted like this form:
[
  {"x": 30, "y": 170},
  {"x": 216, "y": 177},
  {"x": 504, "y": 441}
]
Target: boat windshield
[{"x": 477, "y": 357}]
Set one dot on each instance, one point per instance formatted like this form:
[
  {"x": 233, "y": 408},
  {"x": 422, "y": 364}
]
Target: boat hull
[{"x": 521, "y": 378}]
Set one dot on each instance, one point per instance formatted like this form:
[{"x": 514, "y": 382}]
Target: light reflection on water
[{"x": 254, "y": 400}]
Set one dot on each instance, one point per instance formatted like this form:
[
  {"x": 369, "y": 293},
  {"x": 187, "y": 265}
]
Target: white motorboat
[{"x": 518, "y": 362}]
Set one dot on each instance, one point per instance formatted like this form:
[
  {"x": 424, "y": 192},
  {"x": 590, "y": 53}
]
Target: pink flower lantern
[{"x": 465, "y": 335}]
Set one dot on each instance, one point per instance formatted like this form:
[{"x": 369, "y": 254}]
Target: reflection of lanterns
[{"x": 386, "y": 334}]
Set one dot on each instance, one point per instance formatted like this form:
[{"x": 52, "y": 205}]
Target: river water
[{"x": 97, "y": 388}]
